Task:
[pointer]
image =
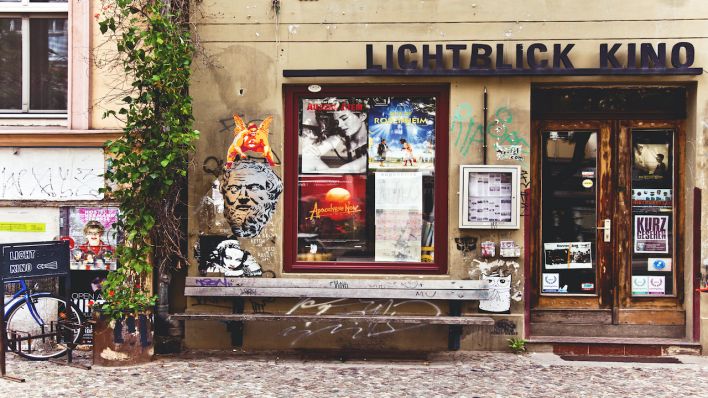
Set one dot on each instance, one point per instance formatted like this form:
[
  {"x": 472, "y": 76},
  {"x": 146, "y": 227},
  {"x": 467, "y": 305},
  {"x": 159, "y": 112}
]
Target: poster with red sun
[{"x": 332, "y": 215}]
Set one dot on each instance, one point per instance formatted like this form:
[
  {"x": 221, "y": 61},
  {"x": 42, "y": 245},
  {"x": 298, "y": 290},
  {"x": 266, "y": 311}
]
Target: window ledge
[{"x": 55, "y": 137}]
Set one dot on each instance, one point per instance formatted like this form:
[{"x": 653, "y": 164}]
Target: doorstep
[{"x": 618, "y": 346}]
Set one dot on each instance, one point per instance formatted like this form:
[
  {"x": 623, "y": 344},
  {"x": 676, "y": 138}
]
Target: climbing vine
[{"x": 148, "y": 167}]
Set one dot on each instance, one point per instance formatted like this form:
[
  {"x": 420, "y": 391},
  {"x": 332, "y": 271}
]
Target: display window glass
[{"x": 371, "y": 166}]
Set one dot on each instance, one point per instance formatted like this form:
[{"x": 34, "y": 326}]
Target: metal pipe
[{"x": 484, "y": 133}]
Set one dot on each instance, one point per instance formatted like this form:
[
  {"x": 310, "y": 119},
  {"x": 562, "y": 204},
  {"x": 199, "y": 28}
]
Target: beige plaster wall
[{"x": 248, "y": 47}]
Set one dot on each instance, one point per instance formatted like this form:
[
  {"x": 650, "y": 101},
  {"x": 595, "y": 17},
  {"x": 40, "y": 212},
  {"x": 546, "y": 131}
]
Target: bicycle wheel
[{"x": 46, "y": 339}]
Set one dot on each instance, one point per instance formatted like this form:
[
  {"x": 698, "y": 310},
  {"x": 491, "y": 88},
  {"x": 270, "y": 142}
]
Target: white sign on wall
[
  {"x": 28, "y": 224},
  {"x": 51, "y": 173}
]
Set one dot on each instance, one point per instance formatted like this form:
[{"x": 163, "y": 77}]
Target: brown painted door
[{"x": 606, "y": 222}]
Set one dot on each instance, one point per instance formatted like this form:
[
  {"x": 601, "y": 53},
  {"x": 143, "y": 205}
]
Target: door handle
[{"x": 607, "y": 229}]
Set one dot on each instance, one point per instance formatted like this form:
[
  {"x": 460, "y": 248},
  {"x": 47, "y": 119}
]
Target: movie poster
[
  {"x": 85, "y": 294},
  {"x": 651, "y": 234},
  {"x": 651, "y": 166},
  {"x": 401, "y": 132},
  {"x": 93, "y": 238},
  {"x": 334, "y": 136},
  {"x": 568, "y": 255},
  {"x": 332, "y": 213},
  {"x": 399, "y": 216}
]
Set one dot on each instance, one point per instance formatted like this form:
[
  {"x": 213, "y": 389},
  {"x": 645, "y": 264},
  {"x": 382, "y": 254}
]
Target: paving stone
[{"x": 470, "y": 374}]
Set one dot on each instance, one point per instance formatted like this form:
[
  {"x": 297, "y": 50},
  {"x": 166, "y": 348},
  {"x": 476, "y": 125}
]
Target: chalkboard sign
[{"x": 34, "y": 259}]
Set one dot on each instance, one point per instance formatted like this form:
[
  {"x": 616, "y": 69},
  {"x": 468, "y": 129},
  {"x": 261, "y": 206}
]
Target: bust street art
[{"x": 250, "y": 189}]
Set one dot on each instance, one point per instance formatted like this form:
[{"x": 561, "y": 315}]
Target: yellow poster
[{"x": 11, "y": 226}]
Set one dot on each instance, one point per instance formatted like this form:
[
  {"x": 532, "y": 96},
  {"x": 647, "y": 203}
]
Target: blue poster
[{"x": 401, "y": 133}]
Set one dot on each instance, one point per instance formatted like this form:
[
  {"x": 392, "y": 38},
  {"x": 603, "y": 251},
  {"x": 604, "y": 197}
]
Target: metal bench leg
[
  {"x": 454, "y": 331},
  {"x": 236, "y": 327}
]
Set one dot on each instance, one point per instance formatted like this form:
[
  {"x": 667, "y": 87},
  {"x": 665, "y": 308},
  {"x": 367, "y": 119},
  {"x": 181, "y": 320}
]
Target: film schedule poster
[
  {"x": 332, "y": 211},
  {"x": 401, "y": 132},
  {"x": 489, "y": 197},
  {"x": 398, "y": 217},
  {"x": 93, "y": 238},
  {"x": 568, "y": 255},
  {"x": 651, "y": 234}
]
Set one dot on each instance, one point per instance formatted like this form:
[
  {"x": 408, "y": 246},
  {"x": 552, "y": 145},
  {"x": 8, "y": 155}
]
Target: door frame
[{"x": 616, "y": 256}]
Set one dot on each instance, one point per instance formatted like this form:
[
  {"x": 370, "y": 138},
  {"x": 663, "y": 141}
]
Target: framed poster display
[{"x": 489, "y": 197}]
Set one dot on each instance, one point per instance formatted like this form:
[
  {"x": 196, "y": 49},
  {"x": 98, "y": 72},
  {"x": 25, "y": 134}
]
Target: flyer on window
[
  {"x": 399, "y": 216},
  {"x": 568, "y": 255},
  {"x": 93, "y": 238},
  {"x": 332, "y": 211},
  {"x": 651, "y": 234},
  {"x": 401, "y": 133}
]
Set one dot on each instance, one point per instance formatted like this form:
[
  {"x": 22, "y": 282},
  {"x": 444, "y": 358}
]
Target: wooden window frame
[
  {"x": 292, "y": 94},
  {"x": 75, "y": 120}
]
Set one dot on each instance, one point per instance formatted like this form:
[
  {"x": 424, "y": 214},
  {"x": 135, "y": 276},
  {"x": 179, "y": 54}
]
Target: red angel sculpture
[{"x": 252, "y": 138}]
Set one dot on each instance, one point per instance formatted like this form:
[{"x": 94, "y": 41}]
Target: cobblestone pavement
[{"x": 217, "y": 374}]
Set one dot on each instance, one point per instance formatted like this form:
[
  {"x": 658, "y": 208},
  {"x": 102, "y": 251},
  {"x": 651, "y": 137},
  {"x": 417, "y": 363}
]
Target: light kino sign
[{"x": 502, "y": 59}]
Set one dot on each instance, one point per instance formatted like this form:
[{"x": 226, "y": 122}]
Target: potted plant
[{"x": 147, "y": 169}]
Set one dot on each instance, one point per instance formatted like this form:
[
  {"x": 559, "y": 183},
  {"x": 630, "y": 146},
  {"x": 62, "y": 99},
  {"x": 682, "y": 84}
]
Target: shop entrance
[{"x": 607, "y": 221}]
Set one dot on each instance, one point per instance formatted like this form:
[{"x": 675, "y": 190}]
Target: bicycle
[{"x": 38, "y": 324}]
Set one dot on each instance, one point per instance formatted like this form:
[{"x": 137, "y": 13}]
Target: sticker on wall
[
  {"x": 509, "y": 249},
  {"x": 499, "y": 299},
  {"x": 250, "y": 189},
  {"x": 568, "y": 255},
  {"x": 587, "y": 286},
  {"x": 588, "y": 173},
  {"x": 659, "y": 264},
  {"x": 509, "y": 152},
  {"x": 651, "y": 234},
  {"x": 588, "y": 183},
  {"x": 657, "y": 285},
  {"x": 251, "y": 138},
  {"x": 640, "y": 285},
  {"x": 488, "y": 249}
]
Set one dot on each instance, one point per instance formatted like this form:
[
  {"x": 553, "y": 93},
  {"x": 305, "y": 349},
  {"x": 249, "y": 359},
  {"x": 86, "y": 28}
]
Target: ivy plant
[{"x": 148, "y": 166}]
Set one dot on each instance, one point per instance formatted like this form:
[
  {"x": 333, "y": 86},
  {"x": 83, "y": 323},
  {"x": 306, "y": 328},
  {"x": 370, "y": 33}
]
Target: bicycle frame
[{"x": 24, "y": 294}]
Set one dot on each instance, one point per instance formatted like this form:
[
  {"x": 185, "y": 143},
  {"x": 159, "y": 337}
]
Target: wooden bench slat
[
  {"x": 392, "y": 284},
  {"x": 408, "y": 319},
  {"x": 237, "y": 291}
]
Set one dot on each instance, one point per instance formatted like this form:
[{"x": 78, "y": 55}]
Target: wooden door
[{"x": 606, "y": 224}]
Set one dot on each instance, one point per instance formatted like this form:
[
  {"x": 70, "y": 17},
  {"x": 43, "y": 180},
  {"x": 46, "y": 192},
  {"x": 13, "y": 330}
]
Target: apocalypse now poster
[{"x": 332, "y": 211}]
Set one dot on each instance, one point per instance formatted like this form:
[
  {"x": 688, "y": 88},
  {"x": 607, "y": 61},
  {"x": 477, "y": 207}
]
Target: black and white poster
[{"x": 568, "y": 255}]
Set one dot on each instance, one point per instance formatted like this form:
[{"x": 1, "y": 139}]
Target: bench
[{"x": 454, "y": 292}]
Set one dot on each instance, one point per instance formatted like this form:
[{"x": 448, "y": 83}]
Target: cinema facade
[{"x": 559, "y": 154}]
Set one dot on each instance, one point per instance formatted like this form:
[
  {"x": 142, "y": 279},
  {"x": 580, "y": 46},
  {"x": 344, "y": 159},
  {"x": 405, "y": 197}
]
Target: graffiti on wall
[
  {"x": 244, "y": 196},
  {"x": 499, "y": 299},
  {"x": 509, "y": 144},
  {"x": 482, "y": 269},
  {"x": 355, "y": 330},
  {"x": 251, "y": 138},
  {"x": 230, "y": 124},
  {"x": 51, "y": 173}
]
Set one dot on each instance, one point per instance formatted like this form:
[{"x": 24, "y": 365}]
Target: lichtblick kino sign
[
  {"x": 508, "y": 59},
  {"x": 24, "y": 260}
]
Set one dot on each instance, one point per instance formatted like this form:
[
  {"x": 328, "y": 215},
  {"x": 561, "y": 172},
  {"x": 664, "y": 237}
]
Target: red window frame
[{"x": 292, "y": 97}]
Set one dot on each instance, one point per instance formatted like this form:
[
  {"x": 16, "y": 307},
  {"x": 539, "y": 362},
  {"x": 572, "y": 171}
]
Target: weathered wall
[{"x": 249, "y": 45}]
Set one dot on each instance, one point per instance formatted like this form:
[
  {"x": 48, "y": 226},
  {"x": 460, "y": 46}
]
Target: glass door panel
[
  {"x": 569, "y": 168},
  {"x": 653, "y": 198}
]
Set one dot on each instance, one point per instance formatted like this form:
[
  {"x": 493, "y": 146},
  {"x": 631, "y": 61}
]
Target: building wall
[{"x": 248, "y": 45}]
